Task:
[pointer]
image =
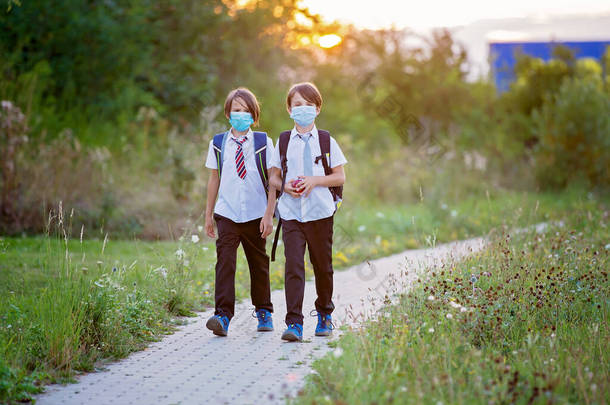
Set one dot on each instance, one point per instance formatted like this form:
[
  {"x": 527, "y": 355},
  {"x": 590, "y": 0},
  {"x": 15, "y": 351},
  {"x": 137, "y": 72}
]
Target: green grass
[
  {"x": 66, "y": 304},
  {"x": 524, "y": 321},
  {"x": 376, "y": 230}
]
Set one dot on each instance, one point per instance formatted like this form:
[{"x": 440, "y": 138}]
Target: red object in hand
[{"x": 295, "y": 184}]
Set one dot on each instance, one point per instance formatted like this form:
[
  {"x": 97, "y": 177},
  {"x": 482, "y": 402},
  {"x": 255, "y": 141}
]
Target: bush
[
  {"x": 573, "y": 128},
  {"x": 13, "y": 127}
]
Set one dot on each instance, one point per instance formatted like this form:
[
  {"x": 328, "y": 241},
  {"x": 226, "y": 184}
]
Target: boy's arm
[
  {"x": 335, "y": 179},
  {"x": 275, "y": 179},
  {"x": 212, "y": 193},
  {"x": 266, "y": 226}
]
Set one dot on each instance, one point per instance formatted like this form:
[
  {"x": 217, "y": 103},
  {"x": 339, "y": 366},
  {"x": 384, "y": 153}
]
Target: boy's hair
[
  {"x": 308, "y": 90},
  {"x": 250, "y": 100}
]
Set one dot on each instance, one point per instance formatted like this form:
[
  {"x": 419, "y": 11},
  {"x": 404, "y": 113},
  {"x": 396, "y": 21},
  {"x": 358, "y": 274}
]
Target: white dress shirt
[
  {"x": 319, "y": 203},
  {"x": 240, "y": 200}
]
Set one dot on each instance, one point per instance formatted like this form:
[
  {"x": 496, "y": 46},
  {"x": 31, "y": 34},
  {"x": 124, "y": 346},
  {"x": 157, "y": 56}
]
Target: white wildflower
[
  {"x": 453, "y": 213},
  {"x": 338, "y": 352},
  {"x": 205, "y": 248},
  {"x": 449, "y": 316},
  {"x": 200, "y": 229},
  {"x": 431, "y": 330},
  {"x": 163, "y": 271},
  {"x": 194, "y": 238},
  {"x": 380, "y": 214},
  {"x": 361, "y": 228},
  {"x": 431, "y": 298},
  {"x": 180, "y": 254}
]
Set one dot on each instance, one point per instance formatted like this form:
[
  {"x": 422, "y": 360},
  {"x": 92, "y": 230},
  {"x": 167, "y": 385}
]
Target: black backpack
[{"x": 336, "y": 192}]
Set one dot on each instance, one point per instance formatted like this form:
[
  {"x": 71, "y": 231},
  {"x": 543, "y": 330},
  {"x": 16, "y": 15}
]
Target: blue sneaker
[
  {"x": 294, "y": 333},
  {"x": 219, "y": 324},
  {"x": 265, "y": 322},
  {"x": 325, "y": 325}
]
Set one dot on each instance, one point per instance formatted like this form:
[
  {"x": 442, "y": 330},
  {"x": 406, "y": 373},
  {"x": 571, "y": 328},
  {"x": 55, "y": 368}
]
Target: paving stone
[{"x": 192, "y": 366}]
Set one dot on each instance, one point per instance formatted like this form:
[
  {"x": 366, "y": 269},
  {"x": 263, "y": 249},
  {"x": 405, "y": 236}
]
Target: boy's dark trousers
[
  {"x": 318, "y": 236},
  {"x": 230, "y": 235}
]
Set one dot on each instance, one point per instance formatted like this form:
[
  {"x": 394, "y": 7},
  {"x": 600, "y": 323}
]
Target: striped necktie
[{"x": 240, "y": 163}]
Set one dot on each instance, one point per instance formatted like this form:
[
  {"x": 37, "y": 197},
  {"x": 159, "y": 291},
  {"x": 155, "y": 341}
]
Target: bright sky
[{"x": 436, "y": 13}]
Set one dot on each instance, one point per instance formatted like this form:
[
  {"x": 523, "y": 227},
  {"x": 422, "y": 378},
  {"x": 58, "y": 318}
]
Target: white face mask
[{"x": 303, "y": 115}]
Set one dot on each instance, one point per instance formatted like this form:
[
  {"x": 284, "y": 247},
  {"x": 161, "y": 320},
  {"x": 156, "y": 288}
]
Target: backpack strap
[
  {"x": 283, "y": 145},
  {"x": 324, "y": 137},
  {"x": 260, "y": 155},
  {"x": 219, "y": 146}
]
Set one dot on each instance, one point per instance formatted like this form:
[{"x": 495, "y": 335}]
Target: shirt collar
[
  {"x": 248, "y": 134},
  {"x": 313, "y": 132}
]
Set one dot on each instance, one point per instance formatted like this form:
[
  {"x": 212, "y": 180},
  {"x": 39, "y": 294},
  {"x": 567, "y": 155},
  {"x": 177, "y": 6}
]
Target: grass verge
[{"x": 524, "y": 321}]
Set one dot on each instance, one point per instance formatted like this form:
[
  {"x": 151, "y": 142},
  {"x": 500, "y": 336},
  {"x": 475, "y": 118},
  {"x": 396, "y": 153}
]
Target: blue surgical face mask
[
  {"x": 241, "y": 120},
  {"x": 303, "y": 115}
]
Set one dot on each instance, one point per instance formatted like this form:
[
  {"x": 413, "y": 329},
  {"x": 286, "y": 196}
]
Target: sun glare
[{"x": 330, "y": 40}]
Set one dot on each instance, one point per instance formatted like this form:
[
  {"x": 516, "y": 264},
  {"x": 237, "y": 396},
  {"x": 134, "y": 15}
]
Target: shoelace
[
  {"x": 224, "y": 320},
  {"x": 255, "y": 314},
  {"x": 314, "y": 313}
]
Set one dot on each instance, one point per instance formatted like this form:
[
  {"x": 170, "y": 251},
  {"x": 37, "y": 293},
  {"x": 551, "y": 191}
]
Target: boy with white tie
[{"x": 307, "y": 165}]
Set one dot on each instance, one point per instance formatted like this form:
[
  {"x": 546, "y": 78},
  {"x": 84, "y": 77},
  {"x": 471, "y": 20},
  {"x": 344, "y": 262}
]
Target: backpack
[
  {"x": 260, "y": 154},
  {"x": 336, "y": 192}
]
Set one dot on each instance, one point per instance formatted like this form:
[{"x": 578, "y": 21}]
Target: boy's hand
[
  {"x": 209, "y": 226},
  {"x": 266, "y": 226},
  {"x": 292, "y": 190},
  {"x": 307, "y": 184}
]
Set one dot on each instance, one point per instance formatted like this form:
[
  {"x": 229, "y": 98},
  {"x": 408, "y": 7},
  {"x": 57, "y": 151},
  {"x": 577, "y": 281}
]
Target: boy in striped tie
[
  {"x": 236, "y": 202},
  {"x": 309, "y": 177}
]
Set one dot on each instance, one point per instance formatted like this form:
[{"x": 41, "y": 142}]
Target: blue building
[{"x": 503, "y": 55}]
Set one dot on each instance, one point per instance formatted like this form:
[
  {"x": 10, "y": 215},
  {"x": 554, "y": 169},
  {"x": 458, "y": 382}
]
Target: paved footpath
[{"x": 192, "y": 366}]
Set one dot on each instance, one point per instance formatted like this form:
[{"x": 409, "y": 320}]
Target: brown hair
[
  {"x": 250, "y": 100},
  {"x": 308, "y": 90}
]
